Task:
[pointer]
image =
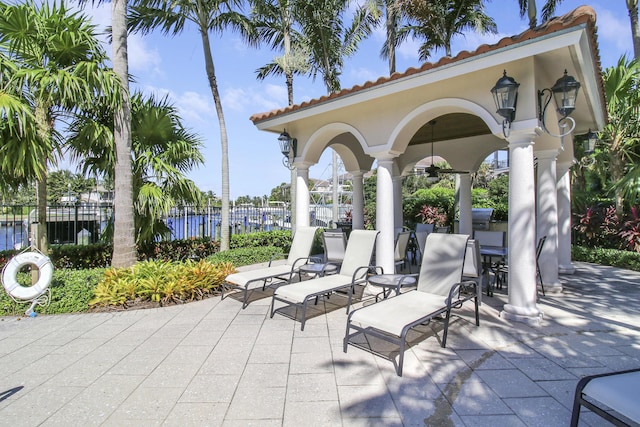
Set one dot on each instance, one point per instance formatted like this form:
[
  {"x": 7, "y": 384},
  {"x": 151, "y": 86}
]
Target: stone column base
[
  {"x": 551, "y": 289},
  {"x": 529, "y": 316},
  {"x": 566, "y": 269}
]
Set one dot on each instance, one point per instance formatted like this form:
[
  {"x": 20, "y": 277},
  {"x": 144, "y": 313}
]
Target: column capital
[
  {"x": 547, "y": 154},
  {"x": 385, "y": 156},
  {"x": 522, "y": 137},
  {"x": 303, "y": 165},
  {"x": 358, "y": 173}
]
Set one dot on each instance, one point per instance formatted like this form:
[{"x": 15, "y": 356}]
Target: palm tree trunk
[
  {"x": 224, "y": 143},
  {"x": 632, "y": 6},
  {"x": 294, "y": 174},
  {"x": 124, "y": 246},
  {"x": 391, "y": 37},
  {"x": 532, "y": 12},
  {"x": 40, "y": 240}
]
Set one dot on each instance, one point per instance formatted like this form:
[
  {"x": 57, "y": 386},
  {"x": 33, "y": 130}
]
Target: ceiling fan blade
[{"x": 452, "y": 171}]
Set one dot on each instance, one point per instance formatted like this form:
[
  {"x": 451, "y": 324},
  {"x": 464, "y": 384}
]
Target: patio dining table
[{"x": 488, "y": 254}]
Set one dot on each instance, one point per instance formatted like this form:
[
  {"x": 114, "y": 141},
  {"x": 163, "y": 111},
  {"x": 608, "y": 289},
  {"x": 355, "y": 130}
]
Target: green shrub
[
  {"x": 247, "y": 256},
  {"x": 604, "y": 256},
  {"x": 71, "y": 291},
  {"x": 278, "y": 238}
]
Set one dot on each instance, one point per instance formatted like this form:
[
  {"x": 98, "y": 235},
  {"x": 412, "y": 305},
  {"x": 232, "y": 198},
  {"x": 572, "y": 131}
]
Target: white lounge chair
[
  {"x": 298, "y": 255},
  {"x": 354, "y": 269},
  {"x": 614, "y": 396},
  {"x": 439, "y": 290}
]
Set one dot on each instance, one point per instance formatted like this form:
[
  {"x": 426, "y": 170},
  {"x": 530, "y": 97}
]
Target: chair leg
[
  {"x": 446, "y": 328},
  {"x": 541, "y": 282}
]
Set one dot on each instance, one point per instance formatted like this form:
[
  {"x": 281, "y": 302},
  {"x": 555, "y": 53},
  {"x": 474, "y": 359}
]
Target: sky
[{"x": 174, "y": 66}]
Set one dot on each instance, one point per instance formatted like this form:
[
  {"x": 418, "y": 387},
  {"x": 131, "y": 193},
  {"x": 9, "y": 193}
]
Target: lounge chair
[
  {"x": 354, "y": 269},
  {"x": 439, "y": 290},
  {"x": 277, "y": 274},
  {"x": 614, "y": 396}
]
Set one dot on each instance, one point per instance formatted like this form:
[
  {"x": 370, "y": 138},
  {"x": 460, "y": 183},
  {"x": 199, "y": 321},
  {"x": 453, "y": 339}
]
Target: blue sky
[{"x": 175, "y": 67}]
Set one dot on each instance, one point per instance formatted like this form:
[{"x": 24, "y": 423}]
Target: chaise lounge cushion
[{"x": 398, "y": 312}]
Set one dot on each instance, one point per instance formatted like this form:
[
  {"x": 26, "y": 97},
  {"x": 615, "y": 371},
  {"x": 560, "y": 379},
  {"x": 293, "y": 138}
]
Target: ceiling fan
[{"x": 432, "y": 170}]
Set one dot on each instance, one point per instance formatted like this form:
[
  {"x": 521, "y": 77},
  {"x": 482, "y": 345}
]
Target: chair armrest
[
  {"x": 375, "y": 270},
  {"x": 467, "y": 287},
  {"x": 360, "y": 274},
  {"x": 300, "y": 261}
]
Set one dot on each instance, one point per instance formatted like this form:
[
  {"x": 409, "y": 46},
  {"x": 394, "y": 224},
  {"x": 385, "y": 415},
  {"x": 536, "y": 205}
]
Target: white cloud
[
  {"x": 472, "y": 40},
  {"x": 409, "y": 49},
  {"x": 362, "y": 74},
  {"x": 614, "y": 30},
  {"x": 141, "y": 57},
  {"x": 242, "y": 100}
]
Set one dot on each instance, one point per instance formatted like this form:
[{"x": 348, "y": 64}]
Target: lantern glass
[
  {"x": 285, "y": 143},
  {"x": 505, "y": 96},
  {"x": 565, "y": 93},
  {"x": 589, "y": 142}
]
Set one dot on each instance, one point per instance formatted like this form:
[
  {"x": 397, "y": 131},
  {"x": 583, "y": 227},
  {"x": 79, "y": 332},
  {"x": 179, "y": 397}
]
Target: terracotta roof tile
[{"x": 579, "y": 16}]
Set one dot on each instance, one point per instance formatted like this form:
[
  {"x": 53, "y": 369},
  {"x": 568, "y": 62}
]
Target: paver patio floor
[{"x": 210, "y": 363}]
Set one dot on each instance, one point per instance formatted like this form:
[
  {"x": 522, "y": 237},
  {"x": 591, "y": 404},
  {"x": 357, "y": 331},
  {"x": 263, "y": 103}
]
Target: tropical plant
[
  {"x": 58, "y": 68},
  {"x": 329, "y": 39},
  {"x": 619, "y": 154},
  {"x": 171, "y": 17},
  {"x": 163, "y": 151},
  {"x": 437, "y": 22}
]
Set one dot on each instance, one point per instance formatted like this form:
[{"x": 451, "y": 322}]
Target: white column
[
  {"x": 357, "y": 214},
  {"x": 465, "y": 226},
  {"x": 547, "y": 219},
  {"x": 302, "y": 195},
  {"x": 398, "y": 220},
  {"x": 564, "y": 219},
  {"x": 385, "y": 215},
  {"x": 522, "y": 232}
]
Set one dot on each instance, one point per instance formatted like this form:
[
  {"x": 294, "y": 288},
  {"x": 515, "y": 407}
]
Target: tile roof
[{"x": 581, "y": 15}]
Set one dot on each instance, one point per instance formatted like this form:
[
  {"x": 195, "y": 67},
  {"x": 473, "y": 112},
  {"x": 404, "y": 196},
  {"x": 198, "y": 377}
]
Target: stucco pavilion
[{"x": 386, "y": 122}]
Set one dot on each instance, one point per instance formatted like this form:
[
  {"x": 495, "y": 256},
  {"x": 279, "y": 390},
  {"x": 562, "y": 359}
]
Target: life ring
[{"x": 10, "y": 273}]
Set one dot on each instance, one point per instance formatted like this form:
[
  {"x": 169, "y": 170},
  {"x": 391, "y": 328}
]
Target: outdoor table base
[{"x": 389, "y": 282}]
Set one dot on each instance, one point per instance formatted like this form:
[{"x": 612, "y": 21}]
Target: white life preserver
[{"x": 10, "y": 273}]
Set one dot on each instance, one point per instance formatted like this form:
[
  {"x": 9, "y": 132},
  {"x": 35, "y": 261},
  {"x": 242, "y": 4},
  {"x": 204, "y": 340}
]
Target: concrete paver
[{"x": 210, "y": 363}]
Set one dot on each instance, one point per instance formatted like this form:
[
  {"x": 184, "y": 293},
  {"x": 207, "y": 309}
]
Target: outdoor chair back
[
  {"x": 302, "y": 243},
  {"x": 442, "y": 264},
  {"x": 335, "y": 243}
]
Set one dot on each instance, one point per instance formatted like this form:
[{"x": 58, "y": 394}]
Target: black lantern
[
  {"x": 589, "y": 143},
  {"x": 565, "y": 93},
  {"x": 288, "y": 146},
  {"x": 505, "y": 95}
]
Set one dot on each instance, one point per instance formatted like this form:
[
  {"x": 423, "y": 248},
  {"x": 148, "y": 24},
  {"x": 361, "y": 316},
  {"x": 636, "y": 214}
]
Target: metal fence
[{"x": 84, "y": 223}]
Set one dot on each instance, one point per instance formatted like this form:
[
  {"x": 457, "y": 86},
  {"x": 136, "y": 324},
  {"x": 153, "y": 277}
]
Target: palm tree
[
  {"x": 60, "y": 65},
  {"x": 275, "y": 25},
  {"x": 439, "y": 21},
  {"x": 329, "y": 39},
  {"x": 632, "y": 7},
  {"x": 124, "y": 244},
  {"x": 528, "y": 7},
  {"x": 124, "y": 247},
  {"x": 163, "y": 152},
  {"x": 21, "y": 151},
  {"x": 621, "y": 135},
  {"x": 210, "y": 15}
]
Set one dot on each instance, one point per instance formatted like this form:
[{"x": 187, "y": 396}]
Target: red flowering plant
[
  {"x": 432, "y": 215},
  {"x": 630, "y": 234}
]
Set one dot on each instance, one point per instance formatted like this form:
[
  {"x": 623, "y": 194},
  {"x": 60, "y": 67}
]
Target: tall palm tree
[
  {"x": 61, "y": 66},
  {"x": 124, "y": 247},
  {"x": 274, "y": 20},
  {"x": 437, "y": 22},
  {"x": 528, "y": 7},
  {"x": 163, "y": 151},
  {"x": 329, "y": 38},
  {"x": 124, "y": 244},
  {"x": 171, "y": 17}
]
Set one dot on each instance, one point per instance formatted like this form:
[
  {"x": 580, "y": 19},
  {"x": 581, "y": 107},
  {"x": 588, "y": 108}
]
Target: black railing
[{"x": 85, "y": 223}]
